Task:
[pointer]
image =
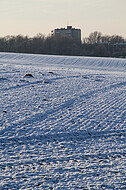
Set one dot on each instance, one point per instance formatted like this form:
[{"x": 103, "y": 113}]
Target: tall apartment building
[{"x": 68, "y": 32}]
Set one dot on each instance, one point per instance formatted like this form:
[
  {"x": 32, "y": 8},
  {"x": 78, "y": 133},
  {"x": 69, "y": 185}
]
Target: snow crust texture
[{"x": 62, "y": 122}]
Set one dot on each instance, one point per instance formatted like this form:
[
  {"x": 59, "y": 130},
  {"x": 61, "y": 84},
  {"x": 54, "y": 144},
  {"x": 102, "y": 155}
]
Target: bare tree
[{"x": 94, "y": 37}]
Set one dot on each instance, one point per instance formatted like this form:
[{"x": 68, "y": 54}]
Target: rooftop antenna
[{"x": 67, "y": 23}]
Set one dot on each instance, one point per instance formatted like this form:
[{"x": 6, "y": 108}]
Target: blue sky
[{"x": 30, "y": 17}]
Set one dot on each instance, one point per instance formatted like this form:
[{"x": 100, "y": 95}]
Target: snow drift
[{"x": 85, "y": 62}]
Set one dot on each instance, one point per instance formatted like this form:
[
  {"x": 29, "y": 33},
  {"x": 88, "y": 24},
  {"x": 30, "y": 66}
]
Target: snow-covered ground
[{"x": 65, "y": 127}]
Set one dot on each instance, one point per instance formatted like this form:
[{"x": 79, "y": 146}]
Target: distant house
[{"x": 68, "y": 32}]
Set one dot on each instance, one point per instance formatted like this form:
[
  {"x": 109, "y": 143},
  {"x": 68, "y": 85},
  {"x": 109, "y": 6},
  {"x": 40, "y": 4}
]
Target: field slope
[{"x": 64, "y": 125}]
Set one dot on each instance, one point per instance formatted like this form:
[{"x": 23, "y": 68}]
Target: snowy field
[{"x": 65, "y": 127}]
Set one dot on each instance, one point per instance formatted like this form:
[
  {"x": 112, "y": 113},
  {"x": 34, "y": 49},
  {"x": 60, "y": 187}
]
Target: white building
[{"x": 68, "y": 32}]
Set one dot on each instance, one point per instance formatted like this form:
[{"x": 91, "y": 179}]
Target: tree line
[{"x": 94, "y": 45}]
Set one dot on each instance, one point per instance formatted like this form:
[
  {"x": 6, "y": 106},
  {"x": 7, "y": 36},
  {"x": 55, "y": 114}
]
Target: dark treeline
[{"x": 95, "y": 45}]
